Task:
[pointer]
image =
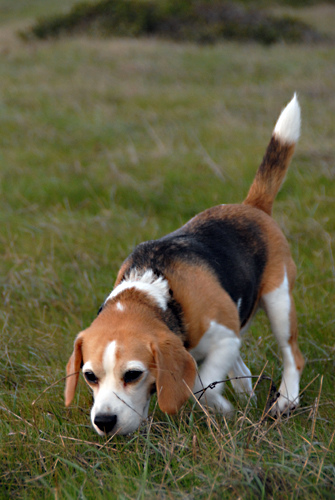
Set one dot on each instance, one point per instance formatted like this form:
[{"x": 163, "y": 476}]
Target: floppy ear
[
  {"x": 72, "y": 370},
  {"x": 176, "y": 371}
]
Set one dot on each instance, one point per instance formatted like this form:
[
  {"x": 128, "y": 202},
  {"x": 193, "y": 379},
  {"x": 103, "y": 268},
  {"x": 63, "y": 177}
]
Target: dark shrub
[{"x": 195, "y": 20}]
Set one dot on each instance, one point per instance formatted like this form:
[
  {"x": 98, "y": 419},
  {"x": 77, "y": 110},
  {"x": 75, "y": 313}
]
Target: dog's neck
[{"x": 156, "y": 288}]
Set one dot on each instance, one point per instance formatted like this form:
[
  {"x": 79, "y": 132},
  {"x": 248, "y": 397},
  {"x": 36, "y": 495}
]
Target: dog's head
[{"x": 125, "y": 356}]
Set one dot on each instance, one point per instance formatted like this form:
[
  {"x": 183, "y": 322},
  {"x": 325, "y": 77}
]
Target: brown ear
[
  {"x": 72, "y": 370},
  {"x": 176, "y": 371}
]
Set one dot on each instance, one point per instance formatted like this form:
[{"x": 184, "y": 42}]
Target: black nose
[{"x": 105, "y": 422}]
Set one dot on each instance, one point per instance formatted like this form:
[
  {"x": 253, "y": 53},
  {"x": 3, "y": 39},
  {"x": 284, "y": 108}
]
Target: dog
[{"x": 188, "y": 297}]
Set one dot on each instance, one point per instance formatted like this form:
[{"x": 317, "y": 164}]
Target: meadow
[{"x": 109, "y": 142}]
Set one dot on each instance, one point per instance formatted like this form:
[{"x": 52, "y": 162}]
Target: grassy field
[{"x": 104, "y": 144}]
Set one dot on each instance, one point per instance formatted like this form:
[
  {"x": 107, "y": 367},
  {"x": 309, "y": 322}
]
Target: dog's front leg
[{"x": 219, "y": 349}]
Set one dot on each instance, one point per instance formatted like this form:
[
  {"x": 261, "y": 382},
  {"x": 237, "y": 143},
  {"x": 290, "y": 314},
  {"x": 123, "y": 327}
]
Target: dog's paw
[
  {"x": 284, "y": 404},
  {"x": 218, "y": 403},
  {"x": 288, "y": 395}
]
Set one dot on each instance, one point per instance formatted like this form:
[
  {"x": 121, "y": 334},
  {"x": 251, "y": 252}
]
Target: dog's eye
[
  {"x": 91, "y": 378},
  {"x": 132, "y": 376}
]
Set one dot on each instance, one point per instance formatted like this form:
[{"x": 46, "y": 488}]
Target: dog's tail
[{"x": 271, "y": 173}]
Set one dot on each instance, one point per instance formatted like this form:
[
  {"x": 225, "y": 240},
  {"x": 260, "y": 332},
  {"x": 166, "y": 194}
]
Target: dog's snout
[{"x": 105, "y": 422}]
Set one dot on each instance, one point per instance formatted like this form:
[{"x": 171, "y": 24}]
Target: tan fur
[
  {"x": 174, "y": 371},
  {"x": 203, "y": 300},
  {"x": 72, "y": 371},
  {"x": 293, "y": 341},
  {"x": 270, "y": 175}
]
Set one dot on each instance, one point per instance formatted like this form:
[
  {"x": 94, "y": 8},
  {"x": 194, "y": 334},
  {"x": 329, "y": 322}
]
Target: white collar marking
[{"x": 156, "y": 287}]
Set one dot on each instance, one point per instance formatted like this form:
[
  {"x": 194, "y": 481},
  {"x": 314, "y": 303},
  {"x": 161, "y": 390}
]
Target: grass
[{"x": 105, "y": 144}]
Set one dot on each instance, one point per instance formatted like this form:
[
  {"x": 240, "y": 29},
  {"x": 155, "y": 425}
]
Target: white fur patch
[
  {"x": 145, "y": 281},
  {"x": 287, "y": 128},
  {"x": 119, "y": 306},
  {"x": 109, "y": 358},
  {"x": 87, "y": 367}
]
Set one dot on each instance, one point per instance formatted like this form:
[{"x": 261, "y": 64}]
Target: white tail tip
[{"x": 287, "y": 128}]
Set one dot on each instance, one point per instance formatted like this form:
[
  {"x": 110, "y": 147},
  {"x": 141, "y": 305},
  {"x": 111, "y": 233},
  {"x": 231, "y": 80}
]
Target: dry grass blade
[
  {"x": 16, "y": 416},
  {"x": 50, "y": 386},
  {"x": 324, "y": 457},
  {"x": 312, "y": 434}
]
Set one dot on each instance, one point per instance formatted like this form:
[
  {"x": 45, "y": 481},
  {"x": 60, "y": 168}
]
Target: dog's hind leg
[{"x": 279, "y": 306}]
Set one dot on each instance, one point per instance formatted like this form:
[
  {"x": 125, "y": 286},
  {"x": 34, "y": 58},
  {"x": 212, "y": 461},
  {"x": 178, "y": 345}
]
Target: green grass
[{"x": 108, "y": 143}]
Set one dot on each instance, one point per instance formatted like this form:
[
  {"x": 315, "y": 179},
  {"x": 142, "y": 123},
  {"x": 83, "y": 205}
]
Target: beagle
[{"x": 188, "y": 297}]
